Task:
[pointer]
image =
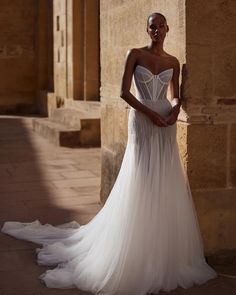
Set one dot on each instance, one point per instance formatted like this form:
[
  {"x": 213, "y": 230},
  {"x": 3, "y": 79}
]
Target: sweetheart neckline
[{"x": 152, "y": 72}]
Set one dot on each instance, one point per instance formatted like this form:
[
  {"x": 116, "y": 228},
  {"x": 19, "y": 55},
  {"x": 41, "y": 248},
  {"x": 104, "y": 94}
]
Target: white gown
[{"x": 146, "y": 237}]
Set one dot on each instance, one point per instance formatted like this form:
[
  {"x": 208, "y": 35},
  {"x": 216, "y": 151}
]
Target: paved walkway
[{"x": 54, "y": 185}]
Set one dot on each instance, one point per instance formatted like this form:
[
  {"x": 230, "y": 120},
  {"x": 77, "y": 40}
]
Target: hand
[
  {"x": 172, "y": 118},
  {"x": 158, "y": 120}
]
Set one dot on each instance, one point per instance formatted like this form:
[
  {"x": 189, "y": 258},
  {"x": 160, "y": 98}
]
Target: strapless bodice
[{"x": 149, "y": 86}]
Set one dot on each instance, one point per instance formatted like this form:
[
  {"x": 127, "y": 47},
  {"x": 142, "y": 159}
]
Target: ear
[{"x": 167, "y": 28}]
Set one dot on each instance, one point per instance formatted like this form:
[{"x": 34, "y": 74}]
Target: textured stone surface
[
  {"x": 76, "y": 49},
  {"x": 70, "y": 128},
  {"x": 18, "y": 55},
  {"x": 216, "y": 211},
  {"x": 182, "y": 132},
  {"x": 90, "y": 108},
  {"x": 107, "y": 172},
  {"x": 46, "y": 103},
  {"x": 59, "y": 47},
  {"x": 24, "y": 57},
  {"x": 210, "y": 60},
  {"x": 207, "y": 153},
  {"x": 233, "y": 155}
]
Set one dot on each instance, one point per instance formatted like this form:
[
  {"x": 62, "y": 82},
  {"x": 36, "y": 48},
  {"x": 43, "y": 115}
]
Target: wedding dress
[{"x": 146, "y": 237}]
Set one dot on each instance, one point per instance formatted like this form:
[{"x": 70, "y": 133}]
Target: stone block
[
  {"x": 193, "y": 109},
  {"x": 67, "y": 117},
  {"x": 22, "y": 79},
  {"x": 223, "y": 70},
  {"x": 211, "y": 110},
  {"x": 182, "y": 142},
  {"x": 22, "y": 108},
  {"x": 225, "y": 116},
  {"x": 25, "y": 54},
  {"x": 111, "y": 163},
  {"x": 90, "y": 134},
  {"x": 121, "y": 128},
  {"x": 226, "y": 101},
  {"x": 52, "y": 131},
  {"x": 217, "y": 219},
  {"x": 88, "y": 108},
  {"x": 196, "y": 32},
  {"x": 107, "y": 126},
  {"x": 200, "y": 86},
  {"x": 210, "y": 74},
  {"x": 199, "y": 119},
  {"x": 2, "y": 51},
  {"x": 51, "y": 102},
  {"x": 46, "y": 103},
  {"x": 207, "y": 155},
  {"x": 69, "y": 127},
  {"x": 233, "y": 155},
  {"x": 107, "y": 171}
]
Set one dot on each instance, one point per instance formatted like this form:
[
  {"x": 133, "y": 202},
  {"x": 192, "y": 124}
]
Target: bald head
[{"x": 155, "y": 14}]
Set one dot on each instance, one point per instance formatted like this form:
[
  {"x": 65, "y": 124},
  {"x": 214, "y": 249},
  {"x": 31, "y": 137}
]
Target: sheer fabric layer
[{"x": 146, "y": 238}]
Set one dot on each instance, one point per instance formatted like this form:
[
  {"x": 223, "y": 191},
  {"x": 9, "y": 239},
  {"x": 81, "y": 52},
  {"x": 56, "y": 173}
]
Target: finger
[
  {"x": 162, "y": 125},
  {"x": 163, "y": 122}
]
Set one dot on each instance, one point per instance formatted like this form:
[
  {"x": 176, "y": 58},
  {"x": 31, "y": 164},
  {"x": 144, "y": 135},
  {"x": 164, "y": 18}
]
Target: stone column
[
  {"x": 44, "y": 51},
  {"x": 91, "y": 50},
  {"x": 60, "y": 47},
  {"x": 50, "y": 76},
  {"x": 69, "y": 52},
  {"x": 209, "y": 131},
  {"x": 71, "y": 37},
  {"x": 78, "y": 50},
  {"x": 78, "y": 45},
  {"x": 44, "y": 45}
]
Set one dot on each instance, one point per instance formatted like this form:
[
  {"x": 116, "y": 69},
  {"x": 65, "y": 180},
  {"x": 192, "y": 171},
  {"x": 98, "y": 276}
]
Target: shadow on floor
[{"x": 40, "y": 181}]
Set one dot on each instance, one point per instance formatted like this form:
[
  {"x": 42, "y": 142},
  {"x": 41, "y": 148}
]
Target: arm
[
  {"x": 125, "y": 93},
  {"x": 174, "y": 89}
]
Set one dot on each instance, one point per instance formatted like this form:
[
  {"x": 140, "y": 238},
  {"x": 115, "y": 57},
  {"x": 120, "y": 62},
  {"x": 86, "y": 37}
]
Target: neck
[{"x": 156, "y": 48}]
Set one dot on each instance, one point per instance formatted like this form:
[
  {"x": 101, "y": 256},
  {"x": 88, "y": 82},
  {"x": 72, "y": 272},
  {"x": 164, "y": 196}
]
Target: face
[{"x": 157, "y": 28}]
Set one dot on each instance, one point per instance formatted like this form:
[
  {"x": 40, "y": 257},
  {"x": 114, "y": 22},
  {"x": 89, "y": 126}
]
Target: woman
[{"x": 146, "y": 237}]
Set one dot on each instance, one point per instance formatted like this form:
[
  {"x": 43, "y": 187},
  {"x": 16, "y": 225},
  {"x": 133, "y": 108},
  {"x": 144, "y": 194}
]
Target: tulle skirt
[{"x": 144, "y": 239}]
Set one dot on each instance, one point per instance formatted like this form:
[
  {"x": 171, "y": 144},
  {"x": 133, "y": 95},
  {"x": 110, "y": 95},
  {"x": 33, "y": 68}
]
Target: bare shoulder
[
  {"x": 174, "y": 61},
  {"x": 133, "y": 55},
  {"x": 134, "y": 52}
]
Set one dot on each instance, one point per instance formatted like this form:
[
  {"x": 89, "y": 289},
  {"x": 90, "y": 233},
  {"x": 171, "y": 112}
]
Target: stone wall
[
  {"x": 210, "y": 129},
  {"x": 17, "y": 53},
  {"x": 23, "y": 54},
  {"x": 203, "y": 41}
]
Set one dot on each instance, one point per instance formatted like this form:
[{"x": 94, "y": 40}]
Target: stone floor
[{"x": 54, "y": 185}]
